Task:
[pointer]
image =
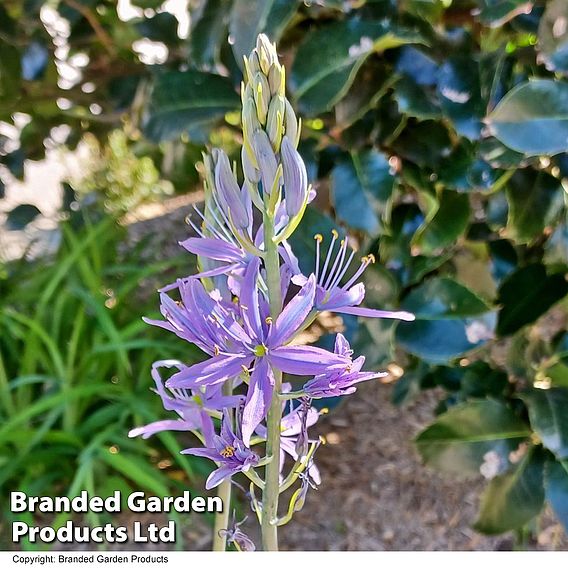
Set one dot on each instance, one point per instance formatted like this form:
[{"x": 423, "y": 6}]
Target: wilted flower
[{"x": 237, "y": 537}]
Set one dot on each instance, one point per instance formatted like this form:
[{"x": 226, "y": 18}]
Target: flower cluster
[{"x": 248, "y": 304}]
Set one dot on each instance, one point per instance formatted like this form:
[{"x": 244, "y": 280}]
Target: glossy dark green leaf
[
  {"x": 556, "y": 248},
  {"x": 527, "y": 294},
  {"x": 535, "y": 201},
  {"x": 440, "y": 341},
  {"x": 414, "y": 101},
  {"x": 460, "y": 95},
  {"x": 327, "y": 62},
  {"x": 416, "y": 65},
  {"x": 251, "y": 17},
  {"x": 460, "y": 440},
  {"x": 548, "y": 413},
  {"x": 553, "y": 36},
  {"x": 182, "y": 100},
  {"x": 511, "y": 500},
  {"x": 362, "y": 187},
  {"x": 444, "y": 298},
  {"x": 19, "y": 217},
  {"x": 533, "y": 118},
  {"x": 426, "y": 143},
  {"x": 208, "y": 31},
  {"x": 495, "y": 13},
  {"x": 556, "y": 485},
  {"x": 444, "y": 224},
  {"x": 161, "y": 27}
]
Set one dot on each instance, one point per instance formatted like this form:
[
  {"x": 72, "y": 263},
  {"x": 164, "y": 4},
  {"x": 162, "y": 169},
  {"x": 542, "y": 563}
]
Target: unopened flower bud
[
  {"x": 266, "y": 53},
  {"x": 252, "y": 174},
  {"x": 295, "y": 177},
  {"x": 290, "y": 123},
  {"x": 261, "y": 93},
  {"x": 253, "y": 64},
  {"x": 275, "y": 121},
  {"x": 229, "y": 192},
  {"x": 266, "y": 160},
  {"x": 276, "y": 79},
  {"x": 250, "y": 119}
]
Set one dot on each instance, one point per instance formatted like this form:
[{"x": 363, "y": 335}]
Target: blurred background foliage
[{"x": 435, "y": 131}]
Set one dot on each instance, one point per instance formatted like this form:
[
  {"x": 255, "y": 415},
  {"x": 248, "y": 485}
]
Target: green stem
[
  {"x": 272, "y": 489},
  {"x": 224, "y": 493},
  {"x": 222, "y": 519}
]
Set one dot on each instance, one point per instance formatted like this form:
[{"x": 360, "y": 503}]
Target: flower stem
[
  {"x": 222, "y": 519},
  {"x": 224, "y": 493},
  {"x": 272, "y": 478}
]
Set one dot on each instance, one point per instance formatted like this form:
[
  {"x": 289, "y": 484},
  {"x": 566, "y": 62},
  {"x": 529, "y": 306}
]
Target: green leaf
[
  {"x": 533, "y": 118},
  {"x": 182, "y": 100},
  {"x": 496, "y": 13},
  {"x": 328, "y": 60},
  {"x": 548, "y": 413},
  {"x": 412, "y": 100},
  {"x": 208, "y": 31},
  {"x": 362, "y": 188},
  {"x": 443, "y": 298},
  {"x": 251, "y": 17},
  {"x": 21, "y": 216},
  {"x": 444, "y": 224},
  {"x": 459, "y": 440},
  {"x": 526, "y": 294},
  {"x": 460, "y": 95},
  {"x": 535, "y": 202},
  {"x": 553, "y": 36},
  {"x": 512, "y": 500},
  {"x": 556, "y": 486}
]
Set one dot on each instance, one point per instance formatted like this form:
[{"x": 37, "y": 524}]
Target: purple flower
[
  {"x": 193, "y": 407},
  {"x": 228, "y": 450},
  {"x": 339, "y": 383},
  {"x": 242, "y": 335},
  {"x": 343, "y": 299},
  {"x": 238, "y": 538},
  {"x": 232, "y": 199}
]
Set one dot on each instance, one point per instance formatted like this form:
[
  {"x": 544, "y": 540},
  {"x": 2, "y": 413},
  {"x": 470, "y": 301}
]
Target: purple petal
[
  {"x": 306, "y": 360},
  {"x": 258, "y": 398},
  {"x": 249, "y": 300},
  {"x": 370, "y": 313},
  {"x": 339, "y": 298},
  {"x": 219, "y": 475},
  {"x": 160, "y": 426},
  {"x": 215, "y": 249},
  {"x": 294, "y": 314},
  {"x": 295, "y": 177},
  {"x": 209, "y": 372}
]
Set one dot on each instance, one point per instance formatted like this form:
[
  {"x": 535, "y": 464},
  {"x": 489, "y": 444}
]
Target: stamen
[
  {"x": 318, "y": 239},
  {"x": 216, "y": 350},
  {"x": 268, "y": 320},
  {"x": 340, "y": 275},
  {"x": 337, "y": 264},
  {"x": 328, "y": 257},
  {"x": 227, "y": 452},
  {"x": 365, "y": 261}
]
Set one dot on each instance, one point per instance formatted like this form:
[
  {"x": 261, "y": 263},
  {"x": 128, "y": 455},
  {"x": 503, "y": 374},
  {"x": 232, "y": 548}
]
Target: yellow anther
[
  {"x": 322, "y": 440},
  {"x": 372, "y": 258},
  {"x": 216, "y": 350},
  {"x": 334, "y": 233},
  {"x": 318, "y": 238},
  {"x": 203, "y": 225},
  {"x": 324, "y": 410},
  {"x": 227, "y": 452},
  {"x": 342, "y": 243},
  {"x": 268, "y": 320}
]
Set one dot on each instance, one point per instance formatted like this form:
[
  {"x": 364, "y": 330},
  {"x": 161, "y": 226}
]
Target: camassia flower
[
  {"x": 193, "y": 407},
  {"x": 228, "y": 450},
  {"x": 245, "y": 336},
  {"x": 340, "y": 383},
  {"x": 344, "y": 298}
]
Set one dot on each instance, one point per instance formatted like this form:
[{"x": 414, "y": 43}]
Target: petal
[
  {"x": 370, "y": 313},
  {"x": 160, "y": 426},
  {"x": 342, "y": 346},
  {"x": 339, "y": 297},
  {"x": 258, "y": 399},
  {"x": 220, "y": 475},
  {"x": 215, "y": 249},
  {"x": 249, "y": 300},
  {"x": 209, "y": 372},
  {"x": 306, "y": 360},
  {"x": 294, "y": 314}
]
